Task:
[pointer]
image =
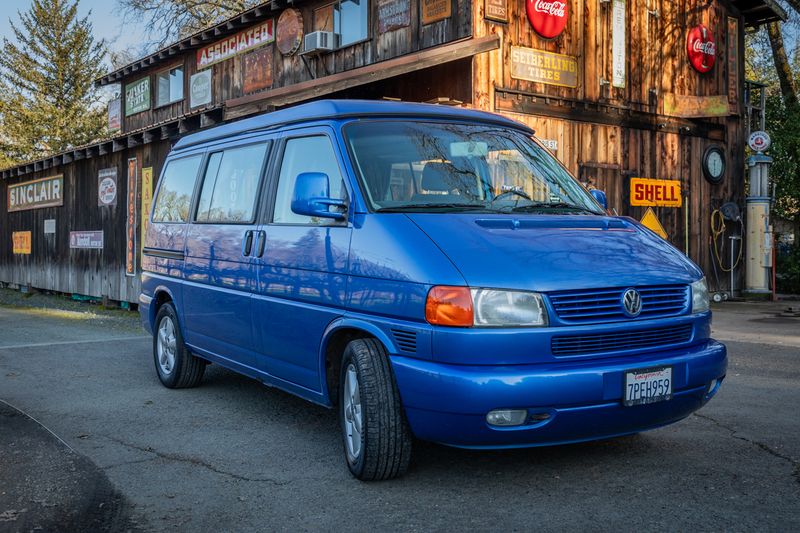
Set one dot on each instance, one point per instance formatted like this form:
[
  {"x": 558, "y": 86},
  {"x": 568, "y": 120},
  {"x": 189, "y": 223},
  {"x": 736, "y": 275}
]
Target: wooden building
[{"x": 624, "y": 92}]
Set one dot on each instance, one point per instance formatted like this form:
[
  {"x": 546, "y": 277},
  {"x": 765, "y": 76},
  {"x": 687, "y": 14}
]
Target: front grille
[
  {"x": 620, "y": 341},
  {"x": 605, "y": 305},
  {"x": 406, "y": 340}
]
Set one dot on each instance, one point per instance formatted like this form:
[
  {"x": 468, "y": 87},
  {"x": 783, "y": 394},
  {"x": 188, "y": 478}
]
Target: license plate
[{"x": 648, "y": 386}]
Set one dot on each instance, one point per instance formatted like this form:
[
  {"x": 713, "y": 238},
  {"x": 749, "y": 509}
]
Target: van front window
[{"x": 435, "y": 166}]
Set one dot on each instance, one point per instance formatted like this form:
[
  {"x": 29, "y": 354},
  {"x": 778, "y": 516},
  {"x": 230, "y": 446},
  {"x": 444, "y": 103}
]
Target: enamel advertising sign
[
  {"x": 548, "y": 17},
  {"x": 45, "y": 192},
  {"x": 701, "y": 48},
  {"x": 236, "y": 44}
]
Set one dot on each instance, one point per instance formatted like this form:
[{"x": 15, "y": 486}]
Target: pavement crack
[
  {"x": 195, "y": 461},
  {"x": 763, "y": 446}
]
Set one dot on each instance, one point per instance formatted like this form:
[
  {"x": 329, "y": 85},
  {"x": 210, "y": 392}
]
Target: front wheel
[{"x": 377, "y": 440}]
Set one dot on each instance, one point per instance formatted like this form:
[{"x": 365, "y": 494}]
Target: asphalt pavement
[{"x": 88, "y": 434}]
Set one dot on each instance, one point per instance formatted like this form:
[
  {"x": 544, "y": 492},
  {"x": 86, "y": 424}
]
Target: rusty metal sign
[
  {"x": 44, "y": 192},
  {"x": 21, "y": 242},
  {"x": 393, "y": 15},
  {"x": 435, "y": 10},
  {"x": 258, "y": 70},
  {"x": 543, "y": 67},
  {"x": 496, "y": 10}
]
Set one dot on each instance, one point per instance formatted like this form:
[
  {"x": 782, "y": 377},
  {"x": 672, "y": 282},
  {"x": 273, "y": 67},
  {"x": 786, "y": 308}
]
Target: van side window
[
  {"x": 230, "y": 186},
  {"x": 177, "y": 187},
  {"x": 306, "y": 154}
]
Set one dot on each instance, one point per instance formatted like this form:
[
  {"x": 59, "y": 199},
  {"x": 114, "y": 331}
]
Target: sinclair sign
[{"x": 45, "y": 192}]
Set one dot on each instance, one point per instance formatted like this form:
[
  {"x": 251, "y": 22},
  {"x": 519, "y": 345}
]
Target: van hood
[{"x": 555, "y": 252}]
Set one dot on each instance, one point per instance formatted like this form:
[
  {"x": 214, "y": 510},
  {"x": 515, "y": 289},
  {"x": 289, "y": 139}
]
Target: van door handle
[
  {"x": 261, "y": 242},
  {"x": 247, "y": 245}
]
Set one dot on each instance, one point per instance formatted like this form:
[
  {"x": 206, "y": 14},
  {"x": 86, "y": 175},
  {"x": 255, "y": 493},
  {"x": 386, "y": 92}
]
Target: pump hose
[{"x": 717, "y": 231}]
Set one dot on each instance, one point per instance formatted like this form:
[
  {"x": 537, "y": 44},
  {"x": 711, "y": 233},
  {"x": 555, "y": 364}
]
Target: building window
[
  {"x": 169, "y": 86},
  {"x": 348, "y": 18}
]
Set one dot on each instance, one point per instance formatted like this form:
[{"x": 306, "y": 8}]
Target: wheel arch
[
  {"x": 161, "y": 295},
  {"x": 336, "y": 337}
]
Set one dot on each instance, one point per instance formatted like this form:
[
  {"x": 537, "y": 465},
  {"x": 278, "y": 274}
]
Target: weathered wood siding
[
  {"x": 607, "y": 135},
  {"x": 227, "y": 76},
  {"x": 52, "y": 264}
]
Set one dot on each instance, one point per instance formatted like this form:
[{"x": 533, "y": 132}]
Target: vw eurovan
[{"x": 431, "y": 272}]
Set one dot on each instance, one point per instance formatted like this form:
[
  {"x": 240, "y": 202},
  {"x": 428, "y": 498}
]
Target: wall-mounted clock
[{"x": 714, "y": 164}]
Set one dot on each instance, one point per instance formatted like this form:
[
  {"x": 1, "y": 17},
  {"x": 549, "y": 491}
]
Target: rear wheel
[
  {"x": 377, "y": 440},
  {"x": 177, "y": 368}
]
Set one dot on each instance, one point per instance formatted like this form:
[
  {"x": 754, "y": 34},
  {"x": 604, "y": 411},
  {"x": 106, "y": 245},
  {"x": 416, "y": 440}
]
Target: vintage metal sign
[
  {"x": 45, "y": 192},
  {"x": 115, "y": 115},
  {"x": 147, "y": 200},
  {"x": 137, "y": 96},
  {"x": 107, "y": 187},
  {"x": 258, "y": 70},
  {"x": 86, "y": 240},
  {"x": 290, "y": 31},
  {"x": 496, "y": 10},
  {"x": 434, "y": 10},
  {"x": 618, "y": 30},
  {"x": 130, "y": 219},
  {"x": 548, "y": 17},
  {"x": 733, "y": 63},
  {"x": 701, "y": 48},
  {"x": 759, "y": 141},
  {"x": 200, "y": 89},
  {"x": 393, "y": 15},
  {"x": 21, "y": 242},
  {"x": 543, "y": 67},
  {"x": 243, "y": 41},
  {"x": 678, "y": 105},
  {"x": 650, "y": 221},
  {"x": 50, "y": 226},
  {"x": 655, "y": 193}
]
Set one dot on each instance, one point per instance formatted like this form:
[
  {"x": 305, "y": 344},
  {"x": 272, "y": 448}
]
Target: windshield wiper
[
  {"x": 552, "y": 205},
  {"x": 411, "y": 207}
]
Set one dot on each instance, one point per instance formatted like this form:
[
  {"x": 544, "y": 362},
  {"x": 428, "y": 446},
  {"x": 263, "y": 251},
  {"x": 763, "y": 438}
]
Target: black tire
[
  {"x": 385, "y": 438},
  {"x": 186, "y": 369}
]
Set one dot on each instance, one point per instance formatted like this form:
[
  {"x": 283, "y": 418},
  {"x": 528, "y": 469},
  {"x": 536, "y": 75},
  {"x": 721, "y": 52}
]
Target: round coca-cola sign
[
  {"x": 548, "y": 17},
  {"x": 701, "y": 48}
]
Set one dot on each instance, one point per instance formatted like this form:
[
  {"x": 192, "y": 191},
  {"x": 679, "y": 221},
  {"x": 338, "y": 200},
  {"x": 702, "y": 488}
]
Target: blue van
[{"x": 431, "y": 272}]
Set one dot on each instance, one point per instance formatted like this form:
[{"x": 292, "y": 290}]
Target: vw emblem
[{"x": 632, "y": 302}]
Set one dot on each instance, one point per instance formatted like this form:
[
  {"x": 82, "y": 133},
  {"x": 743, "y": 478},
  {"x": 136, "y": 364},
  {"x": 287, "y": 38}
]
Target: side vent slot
[{"x": 406, "y": 340}]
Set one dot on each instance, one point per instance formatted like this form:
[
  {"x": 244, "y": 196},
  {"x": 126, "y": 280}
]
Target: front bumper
[{"x": 448, "y": 403}]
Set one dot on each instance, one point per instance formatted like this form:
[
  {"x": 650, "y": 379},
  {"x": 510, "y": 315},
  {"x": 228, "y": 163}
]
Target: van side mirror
[
  {"x": 600, "y": 196},
  {"x": 312, "y": 196}
]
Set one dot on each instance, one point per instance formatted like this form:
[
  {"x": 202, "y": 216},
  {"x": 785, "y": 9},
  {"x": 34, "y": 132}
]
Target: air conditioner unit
[{"x": 320, "y": 42}]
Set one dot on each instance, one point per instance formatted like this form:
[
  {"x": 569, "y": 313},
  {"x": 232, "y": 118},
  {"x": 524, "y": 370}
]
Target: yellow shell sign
[{"x": 655, "y": 193}]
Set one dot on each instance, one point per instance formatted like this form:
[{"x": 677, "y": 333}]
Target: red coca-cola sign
[
  {"x": 701, "y": 48},
  {"x": 548, "y": 17}
]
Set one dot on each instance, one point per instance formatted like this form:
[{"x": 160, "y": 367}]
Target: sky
[{"x": 106, "y": 18}]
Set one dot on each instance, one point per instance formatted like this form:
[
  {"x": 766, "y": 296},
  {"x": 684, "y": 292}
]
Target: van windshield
[{"x": 441, "y": 167}]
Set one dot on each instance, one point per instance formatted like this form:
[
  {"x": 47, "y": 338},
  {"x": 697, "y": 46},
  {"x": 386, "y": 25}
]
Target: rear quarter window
[{"x": 175, "y": 193}]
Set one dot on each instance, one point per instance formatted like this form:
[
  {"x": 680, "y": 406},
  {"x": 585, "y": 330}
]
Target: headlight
[
  {"x": 508, "y": 308},
  {"x": 700, "y": 296}
]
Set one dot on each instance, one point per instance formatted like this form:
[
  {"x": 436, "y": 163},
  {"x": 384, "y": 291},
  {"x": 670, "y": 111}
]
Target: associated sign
[
  {"x": 650, "y": 221},
  {"x": 759, "y": 141},
  {"x": 548, "y": 17},
  {"x": 21, "y": 242},
  {"x": 107, "y": 187},
  {"x": 137, "y": 96},
  {"x": 655, "y": 193},
  {"x": 45, "y": 192},
  {"x": 701, "y": 48},
  {"x": 86, "y": 240},
  {"x": 243, "y": 41},
  {"x": 543, "y": 67}
]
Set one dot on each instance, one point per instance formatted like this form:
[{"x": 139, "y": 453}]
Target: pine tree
[{"x": 48, "y": 102}]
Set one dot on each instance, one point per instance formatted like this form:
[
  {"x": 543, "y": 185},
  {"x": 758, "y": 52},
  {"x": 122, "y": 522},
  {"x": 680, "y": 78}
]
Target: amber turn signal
[{"x": 449, "y": 306}]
